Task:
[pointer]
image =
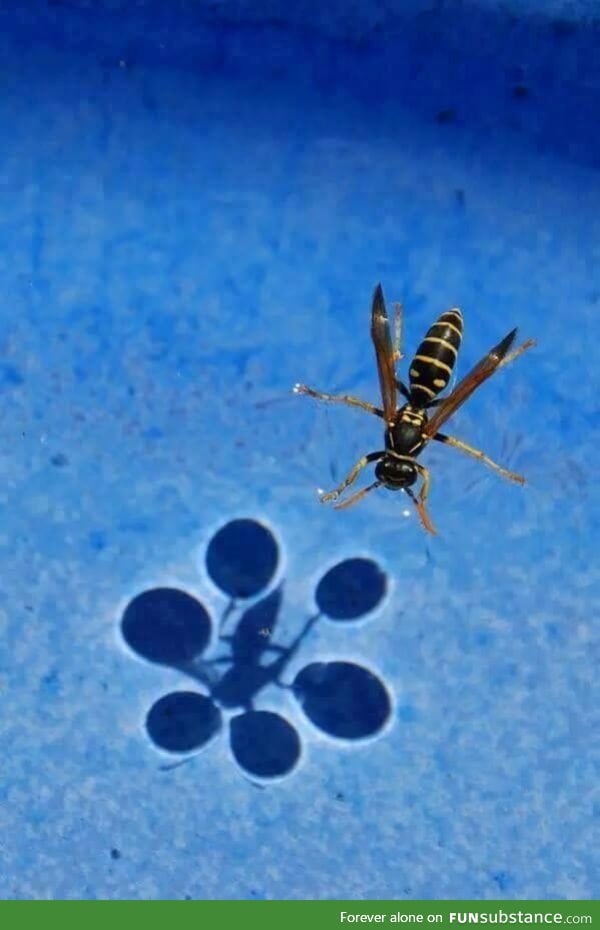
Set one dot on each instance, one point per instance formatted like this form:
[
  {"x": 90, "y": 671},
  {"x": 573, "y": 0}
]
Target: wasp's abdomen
[{"x": 435, "y": 358}]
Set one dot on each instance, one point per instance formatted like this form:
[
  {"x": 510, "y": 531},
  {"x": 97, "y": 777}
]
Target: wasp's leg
[
  {"x": 529, "y": 344},
  {"x": 424, "y": 473},
  {"x": 419, "y": 501},
  {"x": 351, "y": 476},
  {"x": 338, "y": 399},
  {"x": 478, "y": 454},
  {"x": 403, "y": 389},
  {"x": 355, "y": 498}
]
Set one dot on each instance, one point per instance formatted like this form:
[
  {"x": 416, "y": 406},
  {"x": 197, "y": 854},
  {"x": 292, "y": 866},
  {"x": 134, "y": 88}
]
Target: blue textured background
[{"x": 195, "y": 204}]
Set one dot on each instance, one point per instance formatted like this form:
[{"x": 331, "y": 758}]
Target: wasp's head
[{"x": 396, "y": 473}]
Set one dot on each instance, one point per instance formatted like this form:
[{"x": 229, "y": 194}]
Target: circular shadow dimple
[
  {"x": 166, "y": 625},
  {"x": 182, "y": 721},
  {"x": 350, "y": 589},
  {"x": 343, "y": 699},
  {"x": 264, "y": 744},
  {"x": 242, "y": 557}
]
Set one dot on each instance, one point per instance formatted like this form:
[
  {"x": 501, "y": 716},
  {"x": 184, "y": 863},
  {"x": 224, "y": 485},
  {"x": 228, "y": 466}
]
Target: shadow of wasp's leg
[
  {"x": 351, "y": 476},
  {"x": 478, "y": 454},
  {"x": 338, "y": 399},
  {"x": 419, "y": 501}
]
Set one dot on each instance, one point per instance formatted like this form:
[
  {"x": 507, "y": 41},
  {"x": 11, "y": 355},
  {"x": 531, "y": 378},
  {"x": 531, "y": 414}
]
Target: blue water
[{"x": 195, "y": 206}]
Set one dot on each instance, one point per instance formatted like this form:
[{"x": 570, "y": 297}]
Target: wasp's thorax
[{"x": 405, "y": 434}]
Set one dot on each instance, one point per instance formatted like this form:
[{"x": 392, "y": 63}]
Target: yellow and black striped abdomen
[{"x": 435, "y": 358}]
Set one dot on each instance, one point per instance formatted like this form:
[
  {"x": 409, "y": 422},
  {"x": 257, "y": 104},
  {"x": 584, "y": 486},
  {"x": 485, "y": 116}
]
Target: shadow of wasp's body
[{"x": 246, "y": 674}]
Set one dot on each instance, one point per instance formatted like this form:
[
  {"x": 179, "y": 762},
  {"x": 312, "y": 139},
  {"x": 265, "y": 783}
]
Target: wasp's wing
[
  {"x": 384, "y": 353},
  {"x": 463, "y": 390}
]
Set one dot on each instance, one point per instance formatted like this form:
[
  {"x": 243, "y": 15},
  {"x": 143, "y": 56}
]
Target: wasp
[{"x": 410, "y": 427}]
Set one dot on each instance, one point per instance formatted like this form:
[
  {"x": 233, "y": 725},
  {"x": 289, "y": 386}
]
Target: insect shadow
[
  {"x": 250, "y": 643},
  {"x": 343, "y": 699}
]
